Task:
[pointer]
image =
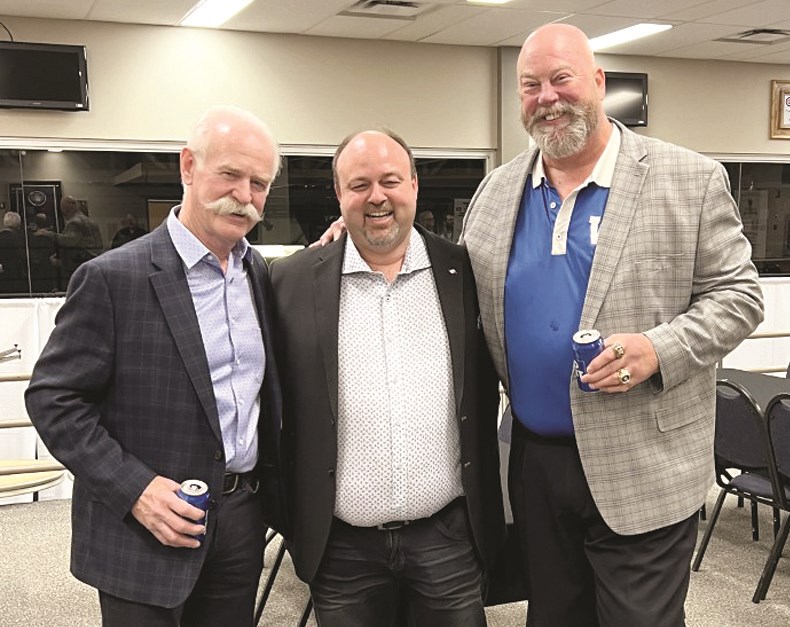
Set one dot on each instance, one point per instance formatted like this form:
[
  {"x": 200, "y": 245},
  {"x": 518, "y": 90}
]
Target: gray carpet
[{"x": 36, "y": 589}]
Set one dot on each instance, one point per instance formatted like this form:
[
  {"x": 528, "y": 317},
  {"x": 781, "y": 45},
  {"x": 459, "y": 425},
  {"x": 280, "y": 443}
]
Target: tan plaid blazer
[{"x": 671, "y": 262}]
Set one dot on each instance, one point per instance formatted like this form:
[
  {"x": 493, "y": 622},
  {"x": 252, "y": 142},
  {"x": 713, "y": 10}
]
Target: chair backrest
[
  {"x": 777, "y": 415},
  {"x": 740, "y": 433}
]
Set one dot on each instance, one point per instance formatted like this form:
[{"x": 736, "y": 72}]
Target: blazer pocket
[{"x": 678, "y": 411}]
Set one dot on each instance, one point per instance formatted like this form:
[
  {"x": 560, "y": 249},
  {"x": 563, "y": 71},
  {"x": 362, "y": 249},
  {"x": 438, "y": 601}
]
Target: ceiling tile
[
  {"x": 753, "y": 15},
  {"x": 140, "y": 11},
  {"x": 644, "y": 9},
  {"x": 276, "y": 16},
  {"x": 492, "y": 26},
  {"x": 355, "y": 27},
  {"x": 431, "y": 22}
]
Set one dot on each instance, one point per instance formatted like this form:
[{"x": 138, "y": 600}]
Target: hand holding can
[
  {"x": 587, "y": 345},
  {"x": 195, "y": 492}
]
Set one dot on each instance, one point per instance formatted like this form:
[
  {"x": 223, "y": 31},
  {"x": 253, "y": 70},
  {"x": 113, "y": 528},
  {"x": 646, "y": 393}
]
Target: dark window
[{"x": 125, "y": 194}]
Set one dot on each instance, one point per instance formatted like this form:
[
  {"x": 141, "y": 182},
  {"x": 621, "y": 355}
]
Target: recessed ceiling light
[
  {"x": 213, "y": 13},
  {"x": 627, "y": 34}
]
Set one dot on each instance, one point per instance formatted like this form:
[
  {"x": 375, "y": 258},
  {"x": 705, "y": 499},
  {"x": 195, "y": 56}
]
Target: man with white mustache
[
  {"x": 389, "y": 408},
  {"x": 161, "y": 370},
  {"x": 600, "y": 228}
]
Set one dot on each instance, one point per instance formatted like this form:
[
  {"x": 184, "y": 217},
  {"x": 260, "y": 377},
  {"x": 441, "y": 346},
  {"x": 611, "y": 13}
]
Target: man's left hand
[{"x": 626, "y": 360}]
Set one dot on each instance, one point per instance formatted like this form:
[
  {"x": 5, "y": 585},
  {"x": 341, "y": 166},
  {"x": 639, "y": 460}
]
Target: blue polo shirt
[{"x": 550, "y": 259}]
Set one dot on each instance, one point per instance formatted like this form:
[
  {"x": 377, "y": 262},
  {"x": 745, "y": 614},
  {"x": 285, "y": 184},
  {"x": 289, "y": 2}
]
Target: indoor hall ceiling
[{"x": 699, "y": 25}]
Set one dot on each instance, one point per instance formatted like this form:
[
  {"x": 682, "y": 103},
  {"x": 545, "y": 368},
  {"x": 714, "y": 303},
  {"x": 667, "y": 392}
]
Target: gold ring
[
  {"x": 619, "y": 350},
  {"x": 624, "y": 375}
]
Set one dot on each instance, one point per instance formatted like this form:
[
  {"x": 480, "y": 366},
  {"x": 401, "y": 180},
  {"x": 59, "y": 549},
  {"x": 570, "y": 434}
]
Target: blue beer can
[
  {"x": 587, "y": 345},
  {"x": 195, "y": 492}
]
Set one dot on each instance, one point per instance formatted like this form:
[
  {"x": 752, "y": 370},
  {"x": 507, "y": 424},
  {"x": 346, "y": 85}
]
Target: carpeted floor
[{"x": 36, "y": 589}]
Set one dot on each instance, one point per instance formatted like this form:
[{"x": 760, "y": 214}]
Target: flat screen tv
[
  {"x": 626, "y": 97},
  {"x": 43, "y": 76}
]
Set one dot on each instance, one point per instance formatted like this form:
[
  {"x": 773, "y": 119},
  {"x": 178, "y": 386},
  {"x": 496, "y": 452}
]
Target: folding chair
[
  {"x": 740, "y": 444},
  {"x": 267, "y": 588},
  {"x": 777, "y": 419}
]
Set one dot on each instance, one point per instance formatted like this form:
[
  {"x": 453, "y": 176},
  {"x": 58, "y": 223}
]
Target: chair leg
[
  {"x": 269, "y": 583},
  {"x": 709, "y": 531},
  {"x": 740, "y": 501},
  {"x": 306, "y": 614},
  {"x": 702, "y": 512},
  {"x": 777, "y": 521},
  {"x": 755, "y": 523},
  {"x": 771, "y": 563}
]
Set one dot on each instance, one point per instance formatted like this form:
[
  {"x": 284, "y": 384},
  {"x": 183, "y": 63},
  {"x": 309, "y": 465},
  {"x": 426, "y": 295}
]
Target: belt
[
  {"x": 234, "y": 481},
  {"x": 392, "y": 525}
]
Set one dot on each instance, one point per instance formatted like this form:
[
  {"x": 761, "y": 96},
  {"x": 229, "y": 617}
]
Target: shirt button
[{"x": 553, "y": 205}]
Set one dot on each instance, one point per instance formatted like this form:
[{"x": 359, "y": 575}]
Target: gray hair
[{"x": 200, "y": 137}]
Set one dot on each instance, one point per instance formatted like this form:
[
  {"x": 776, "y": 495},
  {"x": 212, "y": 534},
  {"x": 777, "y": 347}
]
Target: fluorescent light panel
[
  {"x": 488, "y": 1},
  {"x": 627, "y": 34},
  {"x": 213, "y": 13}
]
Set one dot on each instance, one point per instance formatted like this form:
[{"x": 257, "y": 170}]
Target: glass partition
[
  {"x": 762, "y": 191},
  {"x": 59, "y": 208}
]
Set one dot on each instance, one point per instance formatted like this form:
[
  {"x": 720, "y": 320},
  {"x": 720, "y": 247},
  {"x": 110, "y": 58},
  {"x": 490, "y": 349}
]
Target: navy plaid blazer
[{"x": 122, "y": 393}]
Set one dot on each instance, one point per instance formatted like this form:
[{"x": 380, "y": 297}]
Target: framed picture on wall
[
  {"x": 37, "y": 202},
  {"x": 780, "y": 109}
]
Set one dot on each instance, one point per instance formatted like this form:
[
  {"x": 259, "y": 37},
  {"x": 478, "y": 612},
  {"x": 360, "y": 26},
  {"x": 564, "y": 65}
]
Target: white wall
[
  {"x": 151, "y": 83},
  {"x": 713, "y": 107}
]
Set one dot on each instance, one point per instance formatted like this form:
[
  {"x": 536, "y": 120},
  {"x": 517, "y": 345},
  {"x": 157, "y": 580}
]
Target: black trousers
[
  {"x": 581, "y": 573},
  {"x": 426, "y": 572},
  {"x": 224, "y": 595}
]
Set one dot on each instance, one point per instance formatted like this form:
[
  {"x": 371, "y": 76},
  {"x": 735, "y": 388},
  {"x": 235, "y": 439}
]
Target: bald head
[
  {"x": 561, "y": 90},
  {"x": 562, "y": 41}
]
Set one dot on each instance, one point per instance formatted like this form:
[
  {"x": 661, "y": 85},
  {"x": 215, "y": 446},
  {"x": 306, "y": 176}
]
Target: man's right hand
[
  {"x": 165, "y": 515},
  {"x": 335, "y": 230}
]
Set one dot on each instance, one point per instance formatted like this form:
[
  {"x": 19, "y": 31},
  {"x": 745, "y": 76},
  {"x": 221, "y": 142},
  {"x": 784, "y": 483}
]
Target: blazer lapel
[
  {"x": 629, "y": 177},
  {"x": 448, "y": 274},
  {"x": 172, "y": 291},
  {"x": 326, "y": 296},
  {"x": 510, "y": 199}
]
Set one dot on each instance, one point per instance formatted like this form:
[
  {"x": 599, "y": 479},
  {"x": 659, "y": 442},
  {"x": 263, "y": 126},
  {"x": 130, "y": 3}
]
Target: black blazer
[
  {"x": 307, "y": 301},
  {"x": 121, "y": 393}
]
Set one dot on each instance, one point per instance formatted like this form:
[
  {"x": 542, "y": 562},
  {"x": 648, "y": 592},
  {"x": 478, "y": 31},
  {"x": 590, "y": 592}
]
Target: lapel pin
[{"x": 453, "y": 271}]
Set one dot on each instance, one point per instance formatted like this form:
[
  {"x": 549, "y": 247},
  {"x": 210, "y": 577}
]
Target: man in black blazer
[
  {"x": 389, "y": 407},
  {"x": 159, "y": 370}
]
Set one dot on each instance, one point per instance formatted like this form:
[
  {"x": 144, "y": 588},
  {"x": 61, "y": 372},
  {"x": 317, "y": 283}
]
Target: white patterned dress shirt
[{"x": 398, "y": 440}]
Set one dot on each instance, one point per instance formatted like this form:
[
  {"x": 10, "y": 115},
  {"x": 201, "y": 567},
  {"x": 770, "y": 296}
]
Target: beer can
[
  {"x": 587, "y": 344},
  {"x": 195, "y": 492}
]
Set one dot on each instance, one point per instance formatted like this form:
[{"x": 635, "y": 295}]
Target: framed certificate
[{"x": 780, "y": 109}]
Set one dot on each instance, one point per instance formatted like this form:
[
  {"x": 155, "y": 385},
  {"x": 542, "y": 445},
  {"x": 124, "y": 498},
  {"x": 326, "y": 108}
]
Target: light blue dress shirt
[{"x": 232, "y": 340}]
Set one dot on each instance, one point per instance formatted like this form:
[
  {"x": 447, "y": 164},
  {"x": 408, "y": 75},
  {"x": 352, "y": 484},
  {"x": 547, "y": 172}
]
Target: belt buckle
[
  {"x": 232, "y": 489},
  {"x": 393, "y": 525}
]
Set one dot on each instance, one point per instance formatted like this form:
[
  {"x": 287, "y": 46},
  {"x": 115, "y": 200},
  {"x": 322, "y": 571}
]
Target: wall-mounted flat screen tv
[
  {"x": 626, "y": 97},
  {"x": 43, "y": 76}
]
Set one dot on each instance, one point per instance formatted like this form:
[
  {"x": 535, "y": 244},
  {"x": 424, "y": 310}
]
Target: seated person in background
[
  {"x": 12, "y": 255},
  {"x": 80, "y": 240},
  {"x": 447, "y": 227},
  {"x": 129, "y": 231},
  {"x": 426, "y": 220}
]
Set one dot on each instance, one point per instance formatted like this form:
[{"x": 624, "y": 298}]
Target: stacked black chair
[
  {"x": 777, "y": 419},
  {"x": 741, "y": 445}
]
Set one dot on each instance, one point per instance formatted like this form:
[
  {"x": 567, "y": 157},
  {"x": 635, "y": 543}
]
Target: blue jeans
[{"x": 428, "y": 571}]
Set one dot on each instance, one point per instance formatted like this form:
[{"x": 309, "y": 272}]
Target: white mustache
[{"x": 229, "y": 206}]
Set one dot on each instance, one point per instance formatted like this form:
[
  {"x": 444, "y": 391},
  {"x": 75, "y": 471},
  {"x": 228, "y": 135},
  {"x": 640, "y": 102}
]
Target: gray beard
[{"x": 566, "y": 142}]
